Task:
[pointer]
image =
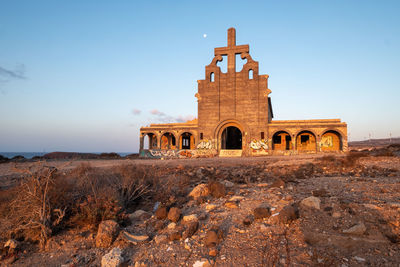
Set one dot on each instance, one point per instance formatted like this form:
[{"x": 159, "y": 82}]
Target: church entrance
[{"x": 231, "y": 138}]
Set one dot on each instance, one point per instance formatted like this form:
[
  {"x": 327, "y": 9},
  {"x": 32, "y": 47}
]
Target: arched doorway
[
  {"x": 305, "y": 141},
  {"x": 282, "y": 141},
  {"x": 331, "y": 141},
  {"x": 168, "y": 141},
  {"x": 186, "y": 141},
  {"x": 231, "y": 138},
  {"x": 150, "y": 141}
]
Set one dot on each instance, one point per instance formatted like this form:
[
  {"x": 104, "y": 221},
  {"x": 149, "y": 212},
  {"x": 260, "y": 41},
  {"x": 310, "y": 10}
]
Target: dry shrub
[
  {"x": 352, "y": 158},
  {"x": 39, "y": 208},
  {"x": 95, "y": 198},
  {"x": 131, "y": 183}
]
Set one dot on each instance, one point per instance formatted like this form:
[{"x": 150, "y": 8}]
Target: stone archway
[
  {"x": 168, "y": 141},
  {"x": 231, "y": 138},
  {"x": 281, "y": 141},
  {"x": 331, "y": 141},
  {"x": 306, "y": 141}
]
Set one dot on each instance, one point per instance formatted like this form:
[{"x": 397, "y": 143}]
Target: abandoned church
[{"x": 235, "y": 118}]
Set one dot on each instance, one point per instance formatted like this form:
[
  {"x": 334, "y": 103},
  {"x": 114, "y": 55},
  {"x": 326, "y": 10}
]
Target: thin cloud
[
  {"x": 157, "y": 113},
  {"x": 18, "y": 73},
  {"x": 136, "y": 111},
  {"x": 162, "y": 117}
]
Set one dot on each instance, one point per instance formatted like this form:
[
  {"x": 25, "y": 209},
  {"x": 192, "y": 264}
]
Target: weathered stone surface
[
  {"x": 190, "y": 229},
  {"x": 171, "y": 226},
  {"x": 358, "y": 229},
  {"x": 211, "y": 239},
  {"x": 175, "y": 235},
  {"x": 200, "y": 190},
  {"x": 217, "y": 189},
  {"x": 160, "y": 239},
  {"x": 288, "y": 214},
  {"x": 211, "y": 207},
  {"x": 113, "y": 258},
  {"x": 236, "y": 198},
  {"x": 106, "y": 234},
  {"x": 311, "y": 202},
  {"x": 139, "y": 215},
  {"x": 174, "y": 214},
  {"x": 248, "y": 220},
  {"x": 278, "y": 183},
  {"x": 231, "y": 205},
  {"x": 161, "y": 213},
  {"x": 213, "y": 252},
  {"x": 263, "y": 211},
  {"x": 188, "y": 218}
]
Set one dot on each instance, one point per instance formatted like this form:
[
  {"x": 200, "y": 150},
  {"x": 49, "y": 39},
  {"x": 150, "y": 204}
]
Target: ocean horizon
[{"x": 29, "y": 155}]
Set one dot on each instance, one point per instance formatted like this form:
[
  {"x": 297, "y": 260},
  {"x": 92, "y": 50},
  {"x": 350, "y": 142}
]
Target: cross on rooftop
[{"x": 231, "y": 50}]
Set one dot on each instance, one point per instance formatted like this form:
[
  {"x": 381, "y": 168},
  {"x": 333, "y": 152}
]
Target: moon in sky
[{"x": 204, "y": 35}]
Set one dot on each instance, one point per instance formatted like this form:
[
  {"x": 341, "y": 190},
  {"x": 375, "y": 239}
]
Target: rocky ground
[{"x": 306, "y": 210}]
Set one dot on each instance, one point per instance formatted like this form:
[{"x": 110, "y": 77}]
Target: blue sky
[{"x": 85, "y": 75}]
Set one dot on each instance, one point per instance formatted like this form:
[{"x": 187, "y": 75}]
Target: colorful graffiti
[
  {"x": 259, "y": 144},
  {"x": 163, "y": 153},
  {"x": 185, "y": 154},
  {"x": 173, "y": 154},
  {"x": 205, "y": 144},
  {"x": 326, "y": 141}
]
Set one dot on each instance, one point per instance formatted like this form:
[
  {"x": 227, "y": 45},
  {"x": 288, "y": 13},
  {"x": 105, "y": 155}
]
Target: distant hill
[{"x": 375, "y": 142}]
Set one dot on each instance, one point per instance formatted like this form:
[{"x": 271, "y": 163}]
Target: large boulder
[{"x": 106, "y": 234}]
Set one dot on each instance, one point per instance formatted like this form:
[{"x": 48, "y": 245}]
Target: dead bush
[
  {"x": 95, "y": 197},
  {"x": 39, "y": 208},
  {"x": 131, "y": 183},
  {"x": 352, "y": 158}
]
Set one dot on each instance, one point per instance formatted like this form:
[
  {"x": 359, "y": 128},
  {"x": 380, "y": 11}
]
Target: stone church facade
[{"x": 235, "y": 118}]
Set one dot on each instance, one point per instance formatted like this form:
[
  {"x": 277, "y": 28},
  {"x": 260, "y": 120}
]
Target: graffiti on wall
[
  {"x": 205, "y": 144},
  {"x": 259, "y": 144},
  {"x": 173, "y": 154},
  {"x": 163, "y": 153},
  {"x": 326, "y": 141}
]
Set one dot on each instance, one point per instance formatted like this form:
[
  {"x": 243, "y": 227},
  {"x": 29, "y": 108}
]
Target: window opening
[{"x": 250, "y": 74}]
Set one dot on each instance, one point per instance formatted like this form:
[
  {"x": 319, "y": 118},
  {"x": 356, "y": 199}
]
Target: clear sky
[{"x": 85, "y": 75}]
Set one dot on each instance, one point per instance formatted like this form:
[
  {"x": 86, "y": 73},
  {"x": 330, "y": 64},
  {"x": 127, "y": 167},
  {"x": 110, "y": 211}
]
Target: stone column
[
  {"x": 318, "y": 141},
  {"x": 141, "y": 141}
]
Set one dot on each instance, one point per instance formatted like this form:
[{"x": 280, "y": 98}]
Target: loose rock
[
  {"x": 159, "y": 239},
  {"x": 191, "y": 229},
  {"x": 139, "y": 215},
  {"x": 200, "y": 190},
  {"x": 311, "y": 202},
  {"x": 217, "y": 189},
  {"x": 174, "y": 214},
  {"x": 112, "y": 259},
  {"x": 174, "y": 235},
  {"x": 357, "y": 229},
  {"x": 248, "y": 220},
  {"x": 288, "y": 214},
  {"x": 261, "y": 212},
  {"x": 106, "y": 234},
  {"x": 161, "y": 213}
]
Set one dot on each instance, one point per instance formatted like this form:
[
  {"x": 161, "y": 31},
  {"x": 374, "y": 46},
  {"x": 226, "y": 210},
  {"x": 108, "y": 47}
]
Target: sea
[{"x": 29, "y": 155}]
